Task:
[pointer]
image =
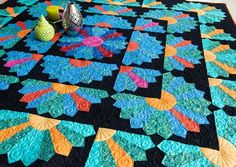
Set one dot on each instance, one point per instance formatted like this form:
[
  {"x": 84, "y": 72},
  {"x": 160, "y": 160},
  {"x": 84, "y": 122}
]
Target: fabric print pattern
[
  {"x": 148, "y": 25},
  {"x": 220, "y": 59},
  {"x": 2, "y": 52},
  {"x": 118, "y": 148},
  {"x": 84, "y": 0},
  {"x": 112, "y": 10},
  {"x": 40, "y": 8},
  {"x": 225, "y": 128},
  {"x": 211, "y": 32},
  {"x": 27, "y": 2},
  {"x": 178, "y": 154},
  {"x": 12, "y": 11},
  {"x": 107, "y": 21},
  {"x": 131, "y": 78},
  {"x": 13, "y": 33},
  {"x": 180, "y": 54},
  {"x": 76, "y": 71},
  {"x": 93, "y": 42},
  {"x": 6, "y": 80},
  {"x": 153, "y": 4},
  {"x": 4, "y": 20},
  {"x": 119, "y": 2},
  {"x": 206, "y": 13},
  {"x": 20, "y": 62},
  {"x": 40, "y": 46},
  {"x": 58, "y": 99},
  {"x": 180, "y": 109},
  {"x": 142, "y": 83},
  {"x": 223, "y": 92},
  {"x": 142, "y": 48},
  {"x": 178, "y": 22},
  {"x": 28, "y": 137}
]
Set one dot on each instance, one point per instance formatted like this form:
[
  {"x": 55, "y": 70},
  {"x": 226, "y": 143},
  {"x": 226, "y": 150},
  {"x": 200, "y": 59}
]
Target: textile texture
[{"x": 144, "y": 83}]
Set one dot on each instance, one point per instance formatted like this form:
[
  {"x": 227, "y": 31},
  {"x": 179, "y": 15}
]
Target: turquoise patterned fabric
[{"x": 133, "y": 83}]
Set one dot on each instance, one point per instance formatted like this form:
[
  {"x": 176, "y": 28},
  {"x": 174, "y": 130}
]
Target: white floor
[{"x": 231, "y": 5}]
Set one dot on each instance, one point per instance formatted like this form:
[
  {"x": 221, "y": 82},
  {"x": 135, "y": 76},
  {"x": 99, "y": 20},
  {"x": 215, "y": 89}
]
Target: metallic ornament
[
  {"x": 71, "y": 19},
  {"x": 2, "y": 1}
]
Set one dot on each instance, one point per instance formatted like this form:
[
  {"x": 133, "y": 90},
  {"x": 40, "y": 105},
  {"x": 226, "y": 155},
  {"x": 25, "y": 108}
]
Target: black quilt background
[{"x": 104, "y": 114}]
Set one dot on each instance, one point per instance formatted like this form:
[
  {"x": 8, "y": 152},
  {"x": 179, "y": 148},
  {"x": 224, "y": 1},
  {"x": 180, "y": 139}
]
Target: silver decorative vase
[{"x": 72, "y": 20}]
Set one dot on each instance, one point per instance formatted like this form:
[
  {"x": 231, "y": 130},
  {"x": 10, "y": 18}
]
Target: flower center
[
  {"x": 170, "y": 51},
  {"x": 64, "y": 89},
  {"x": 209, "y": 56},
  {"x": 225, "y": 156},
  {"x": 170, "y": 20},
  {"x": 214, "y": 82},
  {"x": 41, "y": 123},
  {"x": 166, "y": 102},
  {"x": 110, "y": 13},
  {"x": 132, "y": 46},
  {"x": 93, "y": 41},
  {"x": 104, "y": 134},
  {"x": 198, "y": 11}
]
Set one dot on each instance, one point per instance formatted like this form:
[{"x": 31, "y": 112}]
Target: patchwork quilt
[{"x": 144, "y": 83}]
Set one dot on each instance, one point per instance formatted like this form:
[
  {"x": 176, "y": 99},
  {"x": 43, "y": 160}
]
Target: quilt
[{"x": 144, "y": 83}]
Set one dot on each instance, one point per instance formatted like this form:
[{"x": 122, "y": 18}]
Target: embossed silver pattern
[{"x": 71, "y": 19}]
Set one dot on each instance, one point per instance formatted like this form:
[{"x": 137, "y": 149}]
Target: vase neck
[{"x": 71, "y": 8}]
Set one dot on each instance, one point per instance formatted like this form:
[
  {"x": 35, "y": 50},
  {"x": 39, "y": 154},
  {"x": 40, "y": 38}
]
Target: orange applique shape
[
  {"x": 166, "y": 102},
  {"x": 125, "y": 69},
  {"x": 42, "y": 123},
  {"x": 224, "y": 157},
  {"x": 61, "y": 144},
  {"x": 64, "y": 89},
  {"x": 79, "y": 63},
  {"x": 132, "y": 46},
  {"x": 104, "y": 24},
  {"x": 11, "y": 11},
  {"x": 104, "y": 134},
  {"x": 120, "y": 156},
  {"x": 170, "y": 20}
]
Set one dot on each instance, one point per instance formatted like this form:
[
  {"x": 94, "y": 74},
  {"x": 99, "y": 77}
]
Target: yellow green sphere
[{"x": 44, "y": 31}]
